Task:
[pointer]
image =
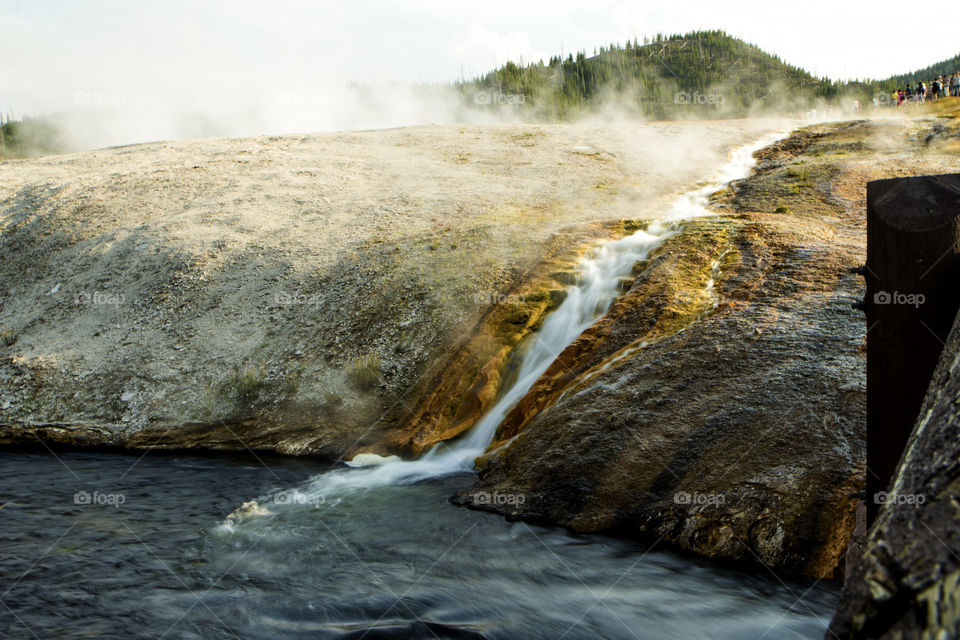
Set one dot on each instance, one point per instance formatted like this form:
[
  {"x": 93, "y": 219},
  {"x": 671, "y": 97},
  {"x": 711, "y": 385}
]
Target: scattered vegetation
[
  {"x": 245, "y": 390},
  {"x": 28, "y": 137},
  {"x": 8, "y": 335},
  {"x": 801, "y": 172},
  {"x": 246, "y": 386},
  {"x": 364, "y": 371},
  {"x": 331, "y": 399}
]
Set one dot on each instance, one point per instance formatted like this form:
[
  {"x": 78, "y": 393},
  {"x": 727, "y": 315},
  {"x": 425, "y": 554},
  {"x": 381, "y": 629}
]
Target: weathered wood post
[{"x": 913, "y": 293}]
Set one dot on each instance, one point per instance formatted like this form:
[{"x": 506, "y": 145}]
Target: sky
[{"x": 243, "y": 56}]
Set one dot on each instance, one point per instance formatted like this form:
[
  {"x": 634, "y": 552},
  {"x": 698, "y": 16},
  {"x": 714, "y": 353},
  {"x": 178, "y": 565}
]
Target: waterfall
[{"x": 600, "y": 271}]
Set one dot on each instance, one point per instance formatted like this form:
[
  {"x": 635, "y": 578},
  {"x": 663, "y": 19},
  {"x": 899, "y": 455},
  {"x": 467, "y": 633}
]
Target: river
[{"x": 399, "y": 563}]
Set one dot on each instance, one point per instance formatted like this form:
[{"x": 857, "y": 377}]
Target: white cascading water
[{"x": 600, "y": 271}]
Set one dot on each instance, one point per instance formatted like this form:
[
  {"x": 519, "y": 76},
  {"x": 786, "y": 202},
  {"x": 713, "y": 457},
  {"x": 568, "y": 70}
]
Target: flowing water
[
  {"x": 400, "y": 562},
  {"x": 600, "y": 272},
  {"x": 109, "y": 546}
]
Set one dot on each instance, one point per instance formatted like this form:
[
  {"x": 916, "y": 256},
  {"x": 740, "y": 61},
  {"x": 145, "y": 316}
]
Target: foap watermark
[
  {"x": 697, "y": 498},
  {"x": 498, "y": 98},
  {"x": 686, "y": 297},
  {"x": 490, "y": 297},
  {"x": 298, "y": 498},
  {"x": 884, "y": 497},
  {"x": 98, "y": 298},
  {"x": 498, "y": 499},
  {"x": 697, "y": 98},
  {"x": 98, "y": 499},
  {"x": 95, "y": 99},
  {"x": 286, "y": 299},
  {"x": 911, "y": 299},
  {"x": 884, "y": 99}
]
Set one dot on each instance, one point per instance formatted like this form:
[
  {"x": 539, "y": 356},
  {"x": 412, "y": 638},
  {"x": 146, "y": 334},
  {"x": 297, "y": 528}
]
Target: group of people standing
[{"x": 942, "y": 87}]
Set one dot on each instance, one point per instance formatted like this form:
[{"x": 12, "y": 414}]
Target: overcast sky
[{"x": 218, "y": 53}]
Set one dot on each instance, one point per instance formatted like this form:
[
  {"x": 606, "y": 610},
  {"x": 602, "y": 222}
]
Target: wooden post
[{"x": 913, "y": 293}]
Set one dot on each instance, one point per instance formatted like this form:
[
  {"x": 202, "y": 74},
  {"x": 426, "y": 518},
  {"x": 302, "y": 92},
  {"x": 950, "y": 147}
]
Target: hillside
[
  {"x": 704, "y": 74},
  {"x": 926, "y": 74},
  {"x": 700, "y": 74}
]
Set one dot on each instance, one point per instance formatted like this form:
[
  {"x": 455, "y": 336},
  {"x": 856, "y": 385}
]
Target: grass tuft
[
  {"x": 247, "y": 386},
  {"x": 364, "y": 371},
  {"x": 8, "y": 335}
]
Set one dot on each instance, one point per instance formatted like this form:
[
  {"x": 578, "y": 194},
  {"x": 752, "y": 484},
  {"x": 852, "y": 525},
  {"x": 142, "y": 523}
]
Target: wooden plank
[{"x": 913, "y": 293}]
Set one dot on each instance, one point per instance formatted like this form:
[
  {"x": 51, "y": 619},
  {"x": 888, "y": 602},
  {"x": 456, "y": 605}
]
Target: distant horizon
[
  {"x": 94, "y": 96},
  {"x": 225, "y": 53},
  {"x": 124, "y": 74}
]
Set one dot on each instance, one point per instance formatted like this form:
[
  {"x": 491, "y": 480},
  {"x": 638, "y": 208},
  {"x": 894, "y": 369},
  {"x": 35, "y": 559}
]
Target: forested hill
[
  {"x": 926, "y": 74},
  {"x": 703, "y": 74},
  {"x": 28, "y": 137},
  {"x": 667, "y": 77}
]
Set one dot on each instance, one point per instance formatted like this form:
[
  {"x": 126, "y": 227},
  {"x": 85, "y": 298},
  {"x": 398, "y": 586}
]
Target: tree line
[
  {"x": 703, "y": 74},
  {"x": 664, "y": 77}
]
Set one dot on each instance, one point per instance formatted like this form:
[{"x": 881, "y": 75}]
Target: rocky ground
[
  {"x": 344, "y": 293},
  {"x": 294, "y": 293},
  {"x": 736, "y": 433}
]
